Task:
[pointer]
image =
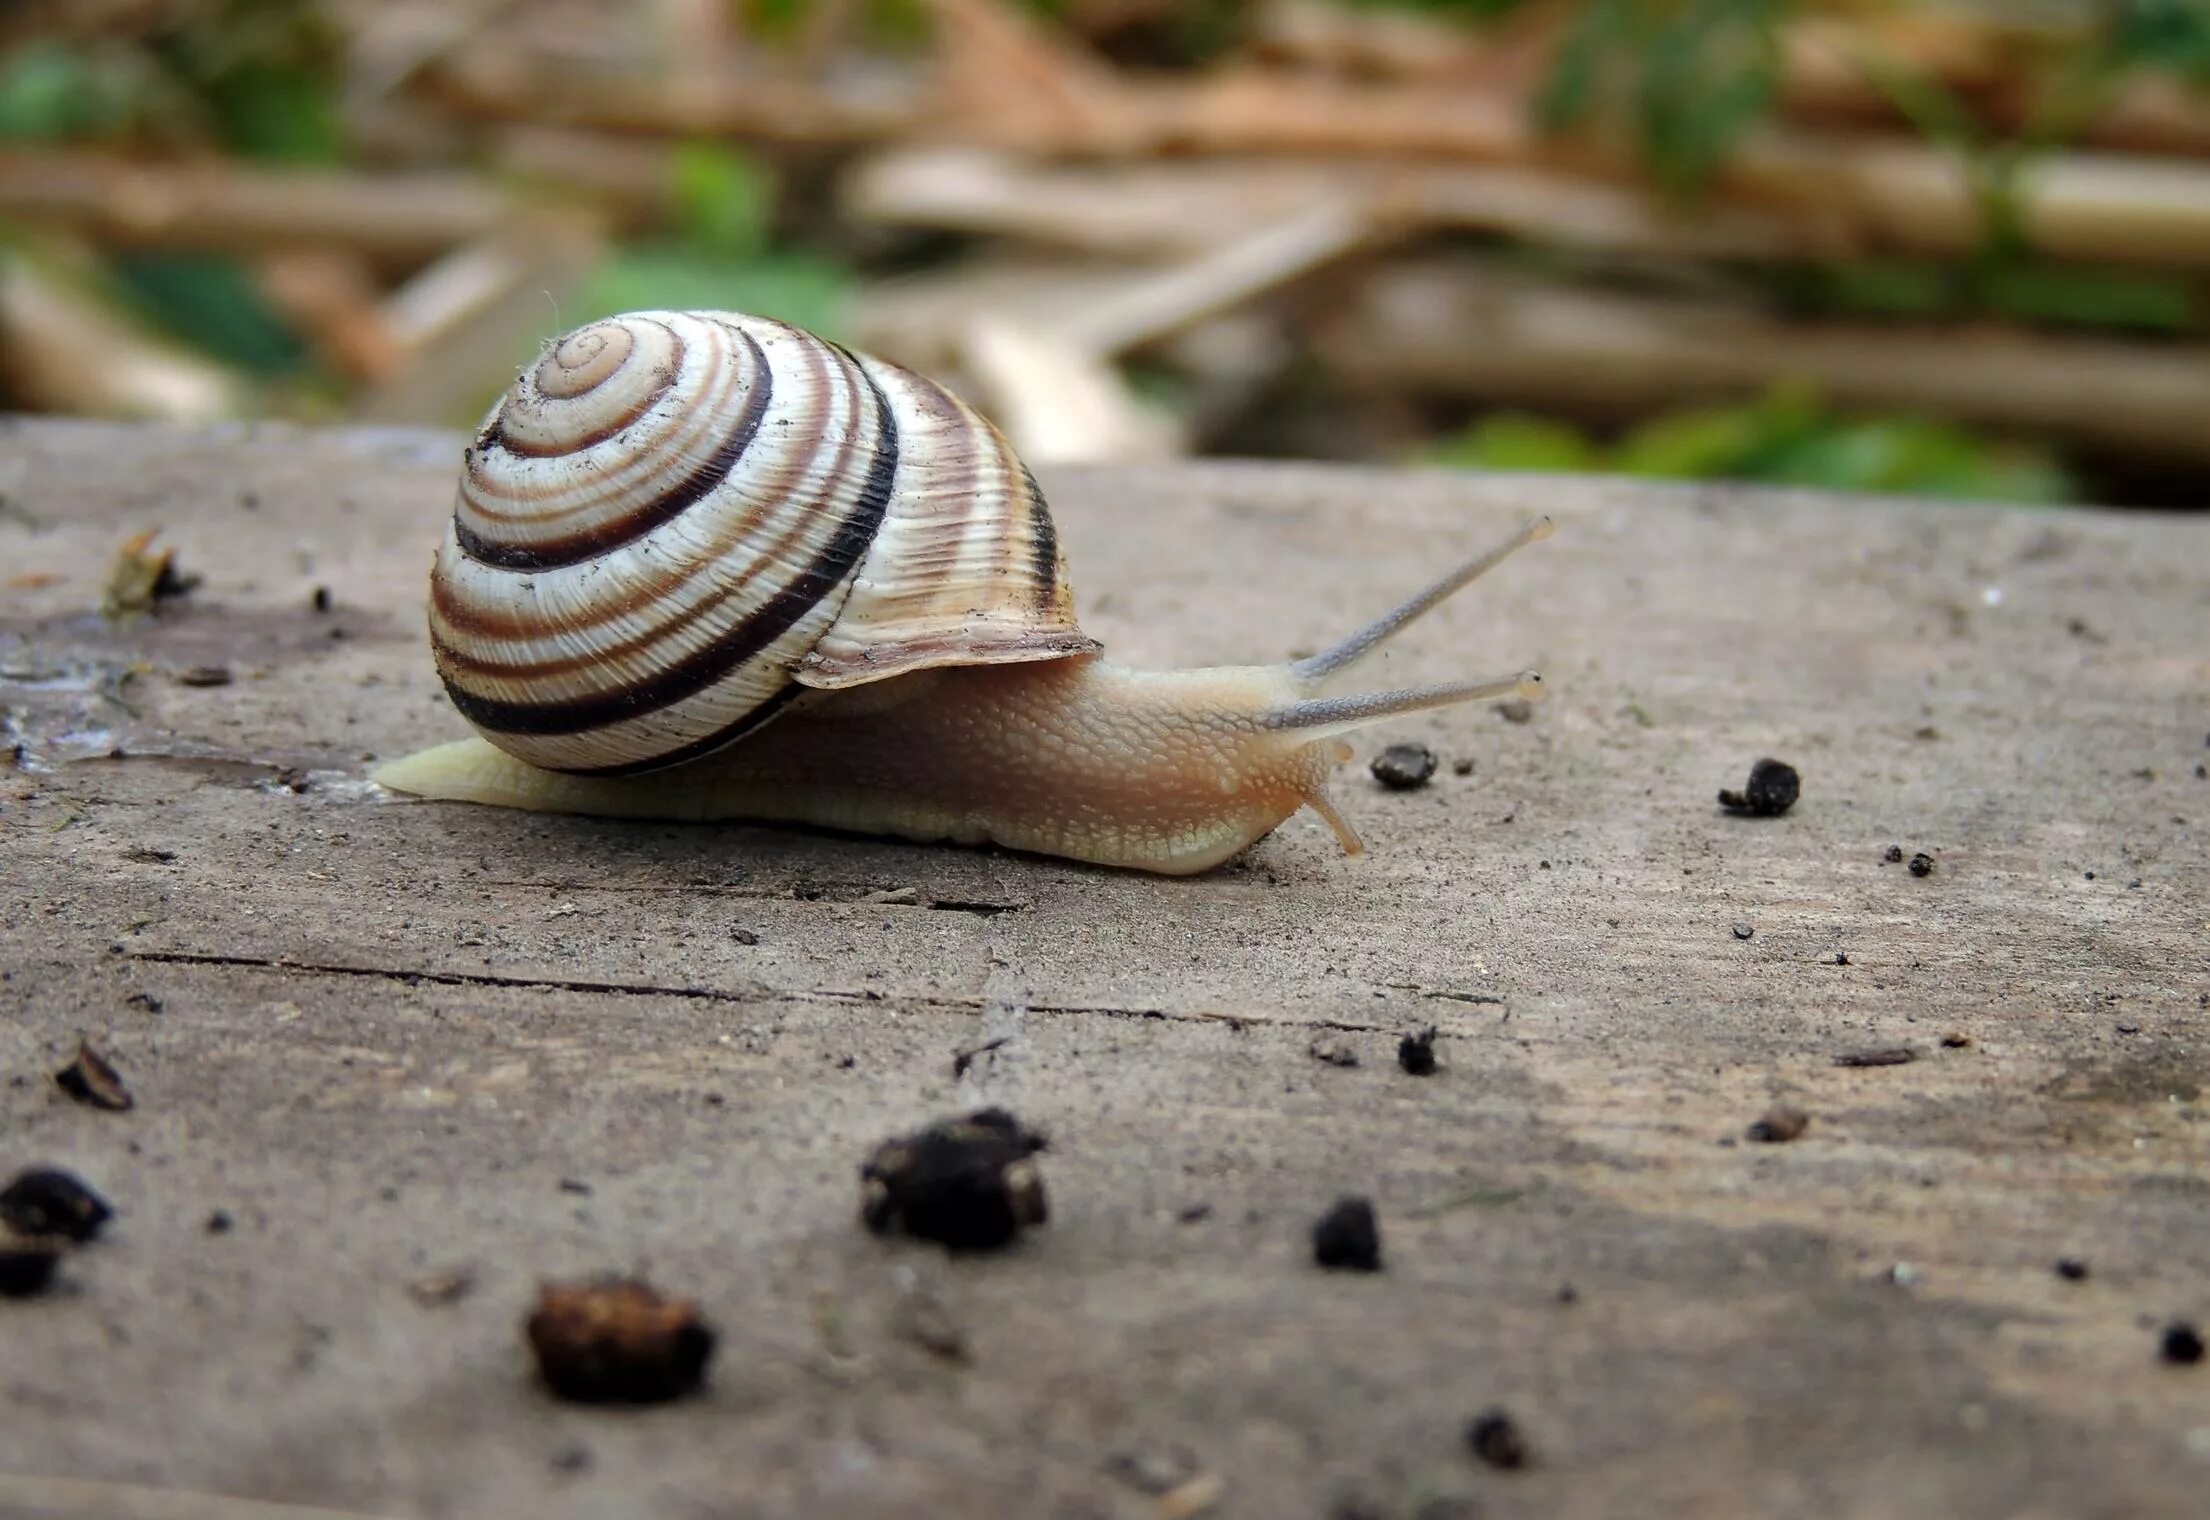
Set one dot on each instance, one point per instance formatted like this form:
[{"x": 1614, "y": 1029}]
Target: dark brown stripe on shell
[
  {"x": 491, "y": 623},
  {"x": 706, "y": 667},
  {"x": 496, "y": 435},
  {"x": 1043, "y": 544},
  {"x": 574, "y": 548},
  {"x": 698, "y": 749}
]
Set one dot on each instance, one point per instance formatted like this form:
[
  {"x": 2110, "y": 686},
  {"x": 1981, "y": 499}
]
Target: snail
[{"x": 706, "y": 565}]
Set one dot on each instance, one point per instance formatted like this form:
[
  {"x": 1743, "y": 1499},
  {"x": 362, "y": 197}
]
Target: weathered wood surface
[{"x": 381, "y": 1036}]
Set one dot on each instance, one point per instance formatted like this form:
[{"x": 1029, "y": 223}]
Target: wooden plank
[{"x": 380, "y": 1035}]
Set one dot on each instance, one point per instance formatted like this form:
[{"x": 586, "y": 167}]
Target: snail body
[{"x": 705, "y": 565}]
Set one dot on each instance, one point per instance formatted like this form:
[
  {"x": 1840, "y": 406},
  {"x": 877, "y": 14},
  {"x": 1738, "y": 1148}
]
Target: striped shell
[{"x": 675, "y": 522}]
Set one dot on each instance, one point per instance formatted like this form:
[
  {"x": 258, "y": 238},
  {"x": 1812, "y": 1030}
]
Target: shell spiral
[{"x": 676, "y": 522}]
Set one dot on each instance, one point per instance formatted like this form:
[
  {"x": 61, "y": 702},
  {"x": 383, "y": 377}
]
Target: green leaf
[
  {"x": 278, "y": 112},
  {"x": 1516, "y": 441},
  {"x": 813, "y": 293},
  {"x": 211, "y": 302},
  {"x": 49, "y": 92},
  {"x": 724, "y": 199}
]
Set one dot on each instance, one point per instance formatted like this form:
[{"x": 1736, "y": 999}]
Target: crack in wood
[{"x": 830, "y": 995}]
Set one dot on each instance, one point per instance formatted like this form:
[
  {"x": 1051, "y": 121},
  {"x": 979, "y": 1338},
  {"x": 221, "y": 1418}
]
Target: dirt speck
[
  {"x": 1404, "y": 767},
  {"x": 1416, "y": 1052},
  {"x": 1886, "y": 1055},
  {"x": 2181, "y": 1344},
  {"x": 1348, "y": 1237},
  {"x": 1495, "y": 1438},
  {"x": 969, "y": 1183},
  {"x": 204, "y": 675},
  {"x": 1744, "y": 931},
  {"x": 617, "y": 1341},
  {"x": 50, "y": 1201},
  {"x": 434, "y": 1289},
  {"x": 2072, "y": 1268},
  {"x": 1892, "y": 855},
  {"x": 90, "y": 1079},
  {"x": 962, "y": 1059},
  {"x": 1771, "y": 790},
  {"x": 1780, "y": 1125},
  {"x": 27, "y": 1263},
  {"x": 1334, "y": 1053},
  {"x": 1922, "y": 864}
]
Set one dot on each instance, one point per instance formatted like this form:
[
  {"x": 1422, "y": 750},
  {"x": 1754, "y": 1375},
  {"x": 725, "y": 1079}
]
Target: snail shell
[{"x": 676, "y": 523}]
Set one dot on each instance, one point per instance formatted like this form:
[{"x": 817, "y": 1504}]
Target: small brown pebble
[
  {"x": 744, "y": 936},
  {"x": 572, "y": 1459},
  {"x": 1922, "y": 864},
  {"x": 1780, "y": 1125},
  {"x": 220, "y": 1222},
  {"x": 2071, "y": 1269},
  {"x": 617, "y": 1341},
  {"x": 204, "y": 675},
  {"x": 1333, "y": 1053},
  {"x": 433, "y": 1289},
  {"x": 1465, "y": 768},
  {"x": 1956, "y": 1040},
  {"x": 1404, "y": 767},
  {"x": 970, "y": 1183},
  {"x": 1348, "y": 1237},
  {"x": 319, "y": 599},
  {"x": 2181, "y": 1344},
  {"x": 1841, "y": 957},
  {"x": 90, "y": 1079},
  {"x": 27, "y": 1263},
  {"x": 1892, "y": 1055},
  {"x": 1892, "y": 856},
  {"x": 1495, "y": 1439},
  {"x": 1515, "y": 709},
  {"x": 1771, "y": 790},
  {"x": 1416, "y": 1052},
  {"x": 1744, "y": 931},
  {"x": 50, "y": 1201}
]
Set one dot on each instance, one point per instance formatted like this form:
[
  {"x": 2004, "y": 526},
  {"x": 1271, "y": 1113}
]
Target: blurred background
[{"x": 1946, "y": 248}]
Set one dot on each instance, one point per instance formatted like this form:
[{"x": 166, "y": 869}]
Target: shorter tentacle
[{"x": 1318, "y": 717}]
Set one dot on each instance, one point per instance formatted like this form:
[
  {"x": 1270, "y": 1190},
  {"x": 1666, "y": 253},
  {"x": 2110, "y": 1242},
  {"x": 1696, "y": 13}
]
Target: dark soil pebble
[
  {"x": 49, "y": 1201},
  {"x": 1348, "y": 1236},
  {"x": 1404, "y": 767},
  {"x": 1893, "y": 856},
  {"x": 1922, "y": 864},
  {"x": 1496, "y": 1440},
  {"x": 617, "y": 1341},
  {"x": 967, "y": 1183},
  {"x": 2071, "y": 1269},
  {"x": 1780, "y": 1124},
  {"x": 1772, "y": 790},
  {"x": 2181, "y": 1345},
  {"x": 204, "y": 675},
  {"x": 89, "y": 1079},
  {"x": 27, "y": 1263},
  {"x": 1416, "y": 1053},
  {"x": 1894, "y": 1055}
]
